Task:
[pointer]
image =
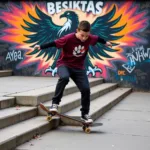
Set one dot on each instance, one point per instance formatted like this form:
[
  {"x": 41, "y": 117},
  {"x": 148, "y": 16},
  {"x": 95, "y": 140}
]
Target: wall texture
[{"x": 125, "y": 23}]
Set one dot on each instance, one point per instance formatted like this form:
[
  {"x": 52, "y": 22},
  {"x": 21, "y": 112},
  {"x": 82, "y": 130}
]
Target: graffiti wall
[{"x": 125, "y": 24}]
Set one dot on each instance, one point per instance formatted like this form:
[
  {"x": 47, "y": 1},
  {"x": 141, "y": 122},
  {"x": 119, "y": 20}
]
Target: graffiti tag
[
  {"x": 138, "y": 54},
  {"x": 14, "y": 56},
  {"x": 121, "y": 72}
]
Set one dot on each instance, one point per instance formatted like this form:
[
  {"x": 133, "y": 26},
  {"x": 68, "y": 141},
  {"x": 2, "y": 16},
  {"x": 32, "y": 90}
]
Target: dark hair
[{"x": 84, "y": 26}]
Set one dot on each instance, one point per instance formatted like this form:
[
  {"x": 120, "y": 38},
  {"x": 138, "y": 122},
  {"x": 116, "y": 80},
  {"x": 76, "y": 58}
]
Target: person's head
[{"x": 83, "y": 30}]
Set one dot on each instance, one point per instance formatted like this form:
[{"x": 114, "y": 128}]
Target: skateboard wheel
[
  {"x": 87, "y": 130},
  {"x": 49, "y": 118}
]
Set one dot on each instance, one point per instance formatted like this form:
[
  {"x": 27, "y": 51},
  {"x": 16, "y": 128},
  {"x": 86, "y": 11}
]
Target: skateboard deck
[{"x": 85, "y": 125}]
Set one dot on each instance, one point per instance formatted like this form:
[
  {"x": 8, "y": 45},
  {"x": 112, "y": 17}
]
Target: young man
[{"x": 71, "y": 65}]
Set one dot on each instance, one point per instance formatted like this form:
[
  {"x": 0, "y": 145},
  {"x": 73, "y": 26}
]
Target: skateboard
[{"x": 85, "y": 126}]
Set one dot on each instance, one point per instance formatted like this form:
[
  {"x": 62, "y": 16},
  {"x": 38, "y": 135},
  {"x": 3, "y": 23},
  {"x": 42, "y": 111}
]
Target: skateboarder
[{"x": 71, "y": 65}]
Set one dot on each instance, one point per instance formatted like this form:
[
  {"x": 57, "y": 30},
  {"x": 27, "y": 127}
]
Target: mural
[{"x": 124, "y": 23}]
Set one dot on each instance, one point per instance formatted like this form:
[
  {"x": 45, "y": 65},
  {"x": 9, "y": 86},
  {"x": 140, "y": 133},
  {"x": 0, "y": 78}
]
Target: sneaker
[
  {"x": 54, "y": 108},
  {"x": 87, "y": 118}
]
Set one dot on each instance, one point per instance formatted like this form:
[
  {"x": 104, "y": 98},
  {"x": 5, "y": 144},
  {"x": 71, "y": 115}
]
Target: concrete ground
[{"x": 125, "y": 127}]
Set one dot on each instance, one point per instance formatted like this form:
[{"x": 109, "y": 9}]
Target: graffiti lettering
[
  {"x": 138, "y": 55},
  {"x": 87, "y": 6},
  {"x": 128, "y": 67},
  {"x": 120, "y": 72},
  {"x": 14, "y": 56}
]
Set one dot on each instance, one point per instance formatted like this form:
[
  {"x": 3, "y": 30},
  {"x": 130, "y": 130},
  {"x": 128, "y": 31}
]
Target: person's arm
[
  {"x": 47, "y": 45},
  {"x": 100, "y": 40},
  {"x": 104, "y": 42},
  {"x": 59, "y": 43},
  {"x": 97, "y": 39}
]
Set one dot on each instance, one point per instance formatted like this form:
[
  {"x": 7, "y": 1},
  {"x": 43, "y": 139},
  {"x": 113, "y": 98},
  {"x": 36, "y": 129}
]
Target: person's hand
[
  {"x": 108, "y": 44},
  {"x": 37, "y": 47}
]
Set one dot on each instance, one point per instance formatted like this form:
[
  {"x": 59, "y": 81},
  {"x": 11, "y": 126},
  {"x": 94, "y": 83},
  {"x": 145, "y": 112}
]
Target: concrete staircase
[{"x": 21, "y": 119}]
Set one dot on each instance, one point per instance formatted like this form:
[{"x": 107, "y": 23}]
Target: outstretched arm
[
  {"x": 46, "y": 45},
  {"x": 104, "y": 42},
  {"x": 59, "y": 43}
]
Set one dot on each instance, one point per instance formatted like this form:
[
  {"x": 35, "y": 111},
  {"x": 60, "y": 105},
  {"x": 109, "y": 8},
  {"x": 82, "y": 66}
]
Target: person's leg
[
  {"x": 63, "y": 80},
  {"x": 80, "y": 78}
]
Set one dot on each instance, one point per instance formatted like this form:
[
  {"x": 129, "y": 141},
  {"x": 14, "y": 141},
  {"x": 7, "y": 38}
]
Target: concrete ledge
[
  {"x": 5, "y": 73},
  {"x": 6, "y": 102},
  {"x": 34, "y": 97},
  {"x": 13, "y": 115}
]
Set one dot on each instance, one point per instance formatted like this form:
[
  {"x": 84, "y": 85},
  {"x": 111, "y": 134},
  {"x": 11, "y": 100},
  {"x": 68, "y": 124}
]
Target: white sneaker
[
  {"x": 87, "y": 118},
  {"x": 54, "y": 108}
]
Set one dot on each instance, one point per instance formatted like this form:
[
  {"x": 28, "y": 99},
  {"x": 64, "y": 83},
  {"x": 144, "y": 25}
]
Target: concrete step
[
  {"x": 14, "y": 115},
  {"x": 72, "y": 101},
  {"x": 6, "y": 102},
  {"x": 123, "y": 129},
  {"x": 100, "y": 105},
  {"x": 15, "y": 135},
  {"x": 34, "y": 97},
  {"x": 5, "y": 73}
]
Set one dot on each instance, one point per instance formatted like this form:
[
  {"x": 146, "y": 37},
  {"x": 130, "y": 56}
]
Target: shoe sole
[
  {"x": 54, "y": 110},
  {"x": 86, "y": 121}
]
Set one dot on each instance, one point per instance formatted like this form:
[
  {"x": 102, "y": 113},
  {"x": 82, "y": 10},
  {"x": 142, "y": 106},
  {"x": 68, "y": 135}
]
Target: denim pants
[{"x": 81, "y": 80}]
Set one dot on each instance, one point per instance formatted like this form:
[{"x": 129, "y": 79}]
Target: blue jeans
[{"x": 81, "y": 80}]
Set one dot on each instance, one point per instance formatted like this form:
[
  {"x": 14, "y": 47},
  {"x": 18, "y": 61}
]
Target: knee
[{"x": 65, "y": 79}]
